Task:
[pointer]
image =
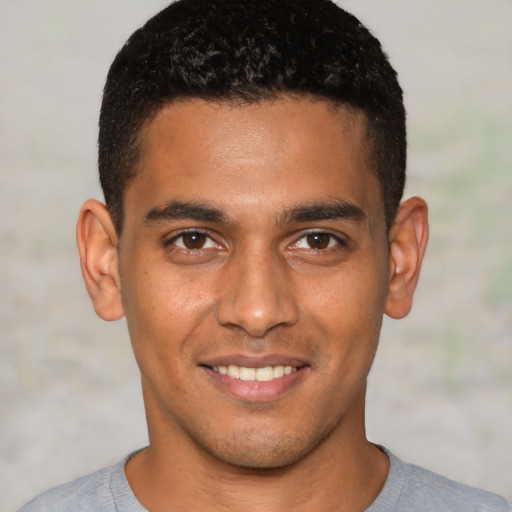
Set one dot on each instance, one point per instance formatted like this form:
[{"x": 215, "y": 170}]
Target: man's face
[{"x": 254, "y": 243}]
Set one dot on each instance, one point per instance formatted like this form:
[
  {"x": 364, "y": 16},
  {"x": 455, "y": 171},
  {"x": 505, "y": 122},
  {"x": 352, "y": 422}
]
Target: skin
[{"x": 225, "y": 257}]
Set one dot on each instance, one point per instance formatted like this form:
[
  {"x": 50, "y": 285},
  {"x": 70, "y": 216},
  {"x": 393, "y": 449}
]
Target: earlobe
[
  {"x": 408, "y": 241},
  {"x": 97, "y": 245}
]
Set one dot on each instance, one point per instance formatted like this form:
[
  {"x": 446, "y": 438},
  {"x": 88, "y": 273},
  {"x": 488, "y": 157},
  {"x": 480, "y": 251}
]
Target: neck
[{"x": 344, "y": 473}]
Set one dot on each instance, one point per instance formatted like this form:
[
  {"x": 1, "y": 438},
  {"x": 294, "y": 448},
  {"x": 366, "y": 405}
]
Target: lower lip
[{"x": 253, "y": 390}]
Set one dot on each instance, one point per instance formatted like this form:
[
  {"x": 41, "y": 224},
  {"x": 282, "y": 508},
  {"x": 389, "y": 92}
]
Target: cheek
[
  {"x": 347, "y": 311},
  {"x": 163, "y": 307},
  {"x": 348, "y": 298}
]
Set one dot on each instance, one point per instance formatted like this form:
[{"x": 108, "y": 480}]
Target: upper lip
[{"x": 253, "y": 360}]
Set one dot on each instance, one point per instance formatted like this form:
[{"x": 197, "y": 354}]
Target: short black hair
[{"x": 250, "y": 51}]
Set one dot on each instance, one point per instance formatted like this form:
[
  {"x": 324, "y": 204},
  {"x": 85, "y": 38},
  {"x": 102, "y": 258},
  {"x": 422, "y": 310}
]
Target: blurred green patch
[
  {"x": 499, "y": 287},
  {"x": 470, "y": 194},
  {"x": 454, "y": 354}
]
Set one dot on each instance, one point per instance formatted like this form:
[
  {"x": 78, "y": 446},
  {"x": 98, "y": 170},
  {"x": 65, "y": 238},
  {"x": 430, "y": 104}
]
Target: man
[{"x": 252, "y": 156}]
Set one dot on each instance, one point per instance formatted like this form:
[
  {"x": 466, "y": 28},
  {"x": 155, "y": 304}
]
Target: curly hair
[{"x": 249, "y": 51}]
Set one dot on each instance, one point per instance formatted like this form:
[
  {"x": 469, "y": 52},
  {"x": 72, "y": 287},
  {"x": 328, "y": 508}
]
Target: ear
[
  {"x": 96, "y": 239},
  {"x": 408, "y": 241}
]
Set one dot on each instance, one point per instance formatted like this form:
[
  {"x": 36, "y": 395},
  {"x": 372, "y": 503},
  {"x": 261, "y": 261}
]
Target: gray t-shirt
[{"x": 408, "y": 488}]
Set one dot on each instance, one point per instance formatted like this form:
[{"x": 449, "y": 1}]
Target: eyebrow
[
  {"x": 336, "y": 209},
  {"x": 177, "y": 210}
]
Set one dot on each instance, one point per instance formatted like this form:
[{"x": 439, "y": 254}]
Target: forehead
[{"x": 285, "y": 150}]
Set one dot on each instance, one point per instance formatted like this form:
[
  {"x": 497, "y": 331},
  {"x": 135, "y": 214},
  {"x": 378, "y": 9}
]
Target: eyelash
[
  {"x": 171, "y": 242},
  {"x": 339, "y": 242}
]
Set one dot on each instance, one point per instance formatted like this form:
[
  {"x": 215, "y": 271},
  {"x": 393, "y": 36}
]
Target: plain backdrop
[{"x": 440, "y": 393}]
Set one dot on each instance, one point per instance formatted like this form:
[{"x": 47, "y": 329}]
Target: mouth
[
  {"x": 265, "y": 374},
  {"x": 256, "y": 380}
]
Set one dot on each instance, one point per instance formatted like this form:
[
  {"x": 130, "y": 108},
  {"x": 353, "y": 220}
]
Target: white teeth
[
  {"x": 278, "y": 371},
  {"x": 233, "y": 371},
  {"x": 247, "y": 373},
  {"x": 264, "y": 374}
]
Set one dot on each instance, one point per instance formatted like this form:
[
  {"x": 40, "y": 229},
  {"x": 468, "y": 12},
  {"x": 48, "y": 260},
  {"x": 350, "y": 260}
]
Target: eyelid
[
  {"x": 341, "y": 239},
  {"x": 170, "y": 238}
]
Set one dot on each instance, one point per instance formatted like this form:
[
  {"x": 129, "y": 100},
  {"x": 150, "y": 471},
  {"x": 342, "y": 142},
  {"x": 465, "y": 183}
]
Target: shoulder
[
  {"x": 444, "y": 491},
  {"x": 421, "y": 490},
  {"x": 88, "y": 493}
]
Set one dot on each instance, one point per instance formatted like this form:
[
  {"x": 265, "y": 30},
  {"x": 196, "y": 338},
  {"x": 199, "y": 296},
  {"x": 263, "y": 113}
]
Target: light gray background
[{"x": 441, "y": 390}]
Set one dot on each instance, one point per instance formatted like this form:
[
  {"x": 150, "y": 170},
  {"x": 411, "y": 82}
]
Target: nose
[{"x": 257, "y": 294}]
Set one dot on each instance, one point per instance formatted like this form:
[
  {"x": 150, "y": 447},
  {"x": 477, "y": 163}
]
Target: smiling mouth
[
  {"x": 265, "y": 374},
  {"x": 260, "y": 381}
]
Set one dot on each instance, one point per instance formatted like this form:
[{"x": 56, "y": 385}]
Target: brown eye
[
  {"x": 194, "y": 240},
  {"x": 192, "y": 246},
  {"x": 318, "y": 241}
]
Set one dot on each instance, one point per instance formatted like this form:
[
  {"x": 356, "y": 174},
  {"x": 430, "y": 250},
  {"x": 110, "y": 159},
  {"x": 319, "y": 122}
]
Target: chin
[{"x": 261, "y": 450}]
